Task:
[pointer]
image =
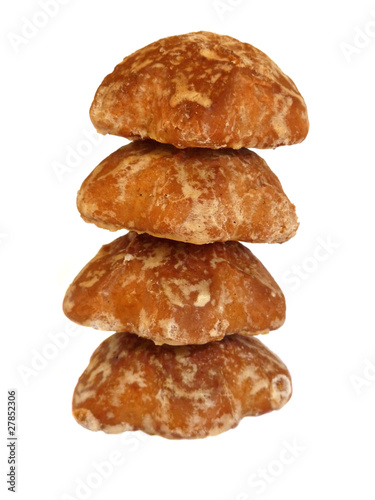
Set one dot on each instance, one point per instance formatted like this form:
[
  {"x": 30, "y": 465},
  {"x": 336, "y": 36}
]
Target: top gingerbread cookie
[{"x": 201, "y": 90}]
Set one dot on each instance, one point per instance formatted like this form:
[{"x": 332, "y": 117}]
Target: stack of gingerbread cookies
[{"x": 185, "y": 296}]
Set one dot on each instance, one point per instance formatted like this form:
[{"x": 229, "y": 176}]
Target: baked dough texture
[
  {"x": 201, "y": 90},
  {"x": 178, "y": 392},
  {"x": 175, "y": 293},
  {"x": 193, "y": 195}
]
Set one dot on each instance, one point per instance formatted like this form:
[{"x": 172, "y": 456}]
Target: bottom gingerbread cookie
[{"x": 178, "y": 392}]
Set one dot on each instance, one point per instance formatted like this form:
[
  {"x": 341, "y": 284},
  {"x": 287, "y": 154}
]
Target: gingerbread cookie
[
  {"x": 201, "y": 90},
  {"x": 175, "y": 293},
  {"x": 193, "y": 195},
  {"x": 178, "y": 392}
]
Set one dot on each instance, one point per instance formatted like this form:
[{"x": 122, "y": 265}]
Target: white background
[{"x": 47, "y": 85}]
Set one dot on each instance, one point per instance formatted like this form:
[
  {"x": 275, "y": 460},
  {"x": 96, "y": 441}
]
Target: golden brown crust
[
  {"x": 201, "y": 90},
  {"x": 193, "y": 195},
  {"x": 175, "y": 293},
  {"x": 182, "y": 392}
]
